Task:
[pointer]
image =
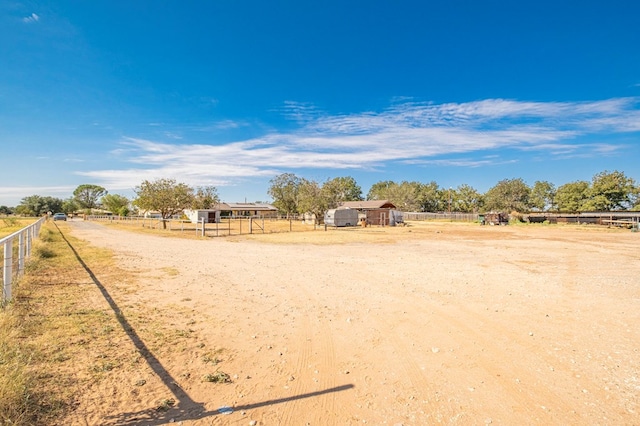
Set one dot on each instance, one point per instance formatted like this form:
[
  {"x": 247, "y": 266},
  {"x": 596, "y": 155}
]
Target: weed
[
  {"x": 103, "y": 367},
  {"x": 10, "y": 222},
  {"x": 184, "y": 333},
  {"x": 46, "y": 235},
  {"x": 43, "y": 252},
  {"x": 208, "y": 358},
  {"x": 217, "y": 377},
  {"x": 165, "y": 404}
]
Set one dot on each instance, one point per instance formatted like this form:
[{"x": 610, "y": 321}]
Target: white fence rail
[
  {"x": 458, "y": 217},
  {"x": 24, "y": 237}
]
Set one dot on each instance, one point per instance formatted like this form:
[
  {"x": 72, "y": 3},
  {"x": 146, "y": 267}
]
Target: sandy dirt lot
[{"x": 426, "y": 324}]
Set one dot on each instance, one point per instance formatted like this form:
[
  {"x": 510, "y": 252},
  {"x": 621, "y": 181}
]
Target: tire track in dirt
[
  {"x": 513, "y": 380},
  {"x": 316, "y": 365}
]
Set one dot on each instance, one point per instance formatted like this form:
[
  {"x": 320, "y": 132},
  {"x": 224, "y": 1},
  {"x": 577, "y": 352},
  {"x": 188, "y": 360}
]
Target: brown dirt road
[{"x": 438, "y": 323}]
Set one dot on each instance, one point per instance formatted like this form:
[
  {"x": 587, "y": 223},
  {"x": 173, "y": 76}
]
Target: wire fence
[
  {"x": 227, "y": 226},
  {"x": 14, "y": 255}
]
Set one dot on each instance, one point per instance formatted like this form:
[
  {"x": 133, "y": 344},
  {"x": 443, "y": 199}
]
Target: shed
[
  {"x": 367, "y": 205},
  {"x": 375, "y": 212},
  {"x": 209, "y": 215}
]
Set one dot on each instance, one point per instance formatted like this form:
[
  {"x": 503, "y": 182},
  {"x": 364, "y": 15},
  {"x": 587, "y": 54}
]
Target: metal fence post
[
  {"x": 21, "y": 250},
  {"x": 8, "y": 259},
  {"x": 30, "y": 237}
]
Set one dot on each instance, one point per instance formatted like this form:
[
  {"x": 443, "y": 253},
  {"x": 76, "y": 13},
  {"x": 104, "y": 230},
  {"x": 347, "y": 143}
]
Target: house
[
  {"x": 375, "y": 212},
  {"x": 247, "y": 209},
  {"x": 231, "y": 210}
]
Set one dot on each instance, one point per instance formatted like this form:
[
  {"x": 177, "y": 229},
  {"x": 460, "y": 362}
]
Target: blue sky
[{"x": 233, "y": 93}]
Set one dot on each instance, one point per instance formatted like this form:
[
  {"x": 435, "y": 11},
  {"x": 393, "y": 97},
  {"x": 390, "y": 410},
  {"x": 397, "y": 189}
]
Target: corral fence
[
  {"x": 14, "y": 255},
  {"x": 453, "y": 217},
  {"x": 227, "y": 226}
]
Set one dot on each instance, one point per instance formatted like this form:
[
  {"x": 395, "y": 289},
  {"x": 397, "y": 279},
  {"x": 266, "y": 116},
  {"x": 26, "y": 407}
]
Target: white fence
[
  {"x": 458, "y": 217},
  {"x": 24, "y": 236}
]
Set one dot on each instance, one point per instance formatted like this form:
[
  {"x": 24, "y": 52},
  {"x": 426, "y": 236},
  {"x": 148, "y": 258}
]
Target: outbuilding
[{"x": 375, "y": 212}]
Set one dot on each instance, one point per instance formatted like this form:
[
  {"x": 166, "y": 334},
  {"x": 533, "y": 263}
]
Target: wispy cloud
[
  {"x": 31, "y": 18},
  {"x": 405, "y": 133},
  {"x": 302, "y": 112},
  {"x": 11, "y": 192}
]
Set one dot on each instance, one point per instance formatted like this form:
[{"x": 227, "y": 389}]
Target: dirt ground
[{"x": 430, "y": 323}]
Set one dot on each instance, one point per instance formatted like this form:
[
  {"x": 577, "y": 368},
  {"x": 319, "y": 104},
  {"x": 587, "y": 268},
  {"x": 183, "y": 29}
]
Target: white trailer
[{"x": 341, "y": 217}]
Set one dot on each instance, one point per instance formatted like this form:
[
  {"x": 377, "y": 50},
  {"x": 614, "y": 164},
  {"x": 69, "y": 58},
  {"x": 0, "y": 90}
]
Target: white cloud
[
  {"x": 405, "y": 133},
  {"x": 19, "y": 192},
  {"x": 31, "y": 18}
]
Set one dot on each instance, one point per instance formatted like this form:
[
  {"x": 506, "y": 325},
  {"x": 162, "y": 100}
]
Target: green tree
[
  {"x": 69, "y": 206},
  {"x": 380, "y": 190},
  {"x": 312, "y": 199},
  {"x": 339, "y": 190},
  {"x": 467, "y": 199},
  {"x": 87, "y": 195},
  {"x": 405, "y": 195},
  {"x": 36, "y": 205},
  {"x": 609, "y": 191},
  {"x": 508, "y": 195},
  {"x": 571, "y": 196},
  {"x": 431, "y": 198},
  {"x": 206, "y": 197},
  {"x": 116, "y": 204},
  {"x": 6, "y": 210},
  {"x": 284, "y": 190},
  {"x": 635, "y": 198},
  {"x": 543, "y": 196},
  {"x": 165, "y": 196}
]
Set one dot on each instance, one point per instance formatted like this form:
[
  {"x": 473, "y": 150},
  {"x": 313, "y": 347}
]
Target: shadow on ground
[{"x": 184, "y": 407}]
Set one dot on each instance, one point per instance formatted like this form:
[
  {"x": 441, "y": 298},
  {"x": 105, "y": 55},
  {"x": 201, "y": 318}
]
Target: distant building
[
  {"x": 231, "y": 210},
  {"x": 367, "y": 205},
  {"x": 375, "y": 212}
]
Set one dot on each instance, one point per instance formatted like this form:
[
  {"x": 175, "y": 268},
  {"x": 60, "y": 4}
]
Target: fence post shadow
[{"x": 185, "y": 408}]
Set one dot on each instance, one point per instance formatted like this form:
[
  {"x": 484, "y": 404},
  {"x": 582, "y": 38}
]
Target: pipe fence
[
  {"x": 15, "y": 255},
  {"x": 457, "y": 217}
]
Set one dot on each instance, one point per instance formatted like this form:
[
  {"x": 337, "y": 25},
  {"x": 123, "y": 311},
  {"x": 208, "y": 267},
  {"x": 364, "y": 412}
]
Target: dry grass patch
[
  {"x": 58, "y": 335},
  {"x": 10, "y": 224}
]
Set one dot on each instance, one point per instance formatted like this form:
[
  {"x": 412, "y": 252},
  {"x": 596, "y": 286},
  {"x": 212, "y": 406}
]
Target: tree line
[
  {"x": 607, "y": 191},
  {"x": 166, "y": 196},
  {"x": 292, "y": 195}
]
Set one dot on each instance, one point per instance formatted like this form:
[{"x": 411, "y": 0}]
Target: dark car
[{"x": 59, "y": 216}]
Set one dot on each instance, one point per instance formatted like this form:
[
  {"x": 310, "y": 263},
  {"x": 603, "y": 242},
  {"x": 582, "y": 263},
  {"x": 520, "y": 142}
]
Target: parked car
[{"x": 59, "y": 216}]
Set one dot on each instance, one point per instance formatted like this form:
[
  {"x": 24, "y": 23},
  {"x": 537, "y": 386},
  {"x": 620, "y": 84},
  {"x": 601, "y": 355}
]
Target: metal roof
[
  {"x": 369, "y": 204},
  {"x": 246, "y": 207}
]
